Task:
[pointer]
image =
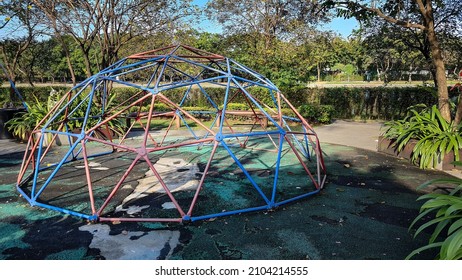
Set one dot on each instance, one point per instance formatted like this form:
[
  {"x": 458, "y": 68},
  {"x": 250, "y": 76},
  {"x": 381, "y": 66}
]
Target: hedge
[{"x": 384, "y": 103}]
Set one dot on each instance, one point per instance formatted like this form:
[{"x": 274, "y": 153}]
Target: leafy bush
[
  {"x": 446, "y": 221},
  {"x": 23, "y": 123},
  {"x": 435, "y": 136},
  {"x": 317, "y": 113},
  {"x": 237, "y": 106}
]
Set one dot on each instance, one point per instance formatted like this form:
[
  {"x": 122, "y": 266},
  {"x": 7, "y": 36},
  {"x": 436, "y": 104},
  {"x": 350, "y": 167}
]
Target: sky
[{"x": 338, "y": 25}]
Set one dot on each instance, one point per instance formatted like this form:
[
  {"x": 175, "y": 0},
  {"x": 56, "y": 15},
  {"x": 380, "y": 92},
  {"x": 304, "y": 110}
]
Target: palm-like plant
[
  {"x": 446, "y": 222},
  {"x": 435, "y": 136},
  {"x": 23, "y": 123}
]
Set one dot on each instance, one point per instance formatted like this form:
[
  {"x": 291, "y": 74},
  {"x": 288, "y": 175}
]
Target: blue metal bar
[
  {"x": 31, "y": 202},
  {"x": 183, "y": 84},
  {"x": 185, "y": 96},
  {"x": 211, "y": 127},
  {"x": 128, "y": 84},
  {"x": 307, "y": 146},
  {"x": 108, "y": 74},
  {"x": 256, "y": 133},
  {"x": 200, "y": 65},
  {"x": 114, "y": 66},
  {"x": 275, "y": 102},
  {"x": 256, "y": 75},
  {"x": 153, "y": 75},
  {"x": 13, "y": 86},
  {"x": 37, "y": 166},
  {"x": 56, "y": 115},
  {"x": 258, "y": 105},
  {"x": 90, "y": 100},
  {"x": 136, "y": 64},
  {"x": 254, "y": 83},
  {"x": 296, "y": 198},
  {"x": 162, "y": 71},
  {"x": 179, "y": 71},
  {"x": 229, "y": 213},
  {"x": 54, "y": 171},
  {"x": 208, "y": 97},
  {"x": 278, "y": 164},
  {"x": 291, "y": 119},
  {"x": 186, "y": 124},
  {"x": 300, "y": 146},
  {"x": 66, "y": 211},
  {"x": 246, "y": 173}
]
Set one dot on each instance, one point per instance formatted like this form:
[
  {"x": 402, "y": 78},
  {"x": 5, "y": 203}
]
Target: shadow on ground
[{"x": 363, "y": 212}]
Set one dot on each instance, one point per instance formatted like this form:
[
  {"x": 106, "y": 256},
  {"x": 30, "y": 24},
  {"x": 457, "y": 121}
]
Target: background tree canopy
[{"x": 286, "y": 40}]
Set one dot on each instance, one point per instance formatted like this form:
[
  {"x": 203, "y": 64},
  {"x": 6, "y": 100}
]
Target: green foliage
[
  {"x": 237, "y": 106},
  {"x": 23, "y": 123},
  {"x": 435, "y": 136},
  {"x": 445, "y": 221},
  {"x": 317, "y": 113},
  {"x": 385, "y": 103}
]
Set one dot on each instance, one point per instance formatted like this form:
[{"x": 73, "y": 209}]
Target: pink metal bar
[
  {"x": 168, "y": 129},
  {"x": 162, "y": 183},
  {"x": 199, "y": 187},
  {"x": 148, "y": 124},
  {"x": 110, "y": 143},
  {"x": 29, "y": 155},
  {"x": 144, "y": 128},
  {"x": 52, "y": 141},
  {"x": 194, "y": 142},
  {"x": 151, "y": 52},
  {"x": 232, "y": 131},
  {"x": 302, "y": 119},
  {"x": 186, "y": 113},
  {"x": 87, "y": 173},
  {"x": 159, "y": 220},
  {"x": 116, "y": 114},
  {"x": 119, "y": 184},
  {"x": 126, "y": 133},
  {"x": 316, "y": 184}
]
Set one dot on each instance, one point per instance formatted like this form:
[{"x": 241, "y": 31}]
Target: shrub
[
  {"x": 317, "y": 113},
  {"x": 237, "y": 106},
  {"x": 434, "y": 135},
  {"x": 446, "y": 221}
]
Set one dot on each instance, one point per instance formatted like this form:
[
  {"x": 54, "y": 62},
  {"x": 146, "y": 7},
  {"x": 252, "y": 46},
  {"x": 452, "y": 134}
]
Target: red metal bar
[
  {"x": 148, "y": 124},
  {"x": 160, "y": 220},
  {"x": 162, "y": 183},
  {"x": 117, "y": 114},
  {"x": 87, "y": 173},
  {"x": 199, "y": 187},
  {"x": 302, "y": 163},
  {"x": 119, "y": 184},
  {"x": 186, "y": 113}
]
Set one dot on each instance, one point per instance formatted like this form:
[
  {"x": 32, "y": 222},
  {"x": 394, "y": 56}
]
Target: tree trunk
[
  {"x": 458, "y": 117},
  {"x": 318, "y": 66},
  {"x": 440, "y": 74},
  {"x": 68, "y": 58}
]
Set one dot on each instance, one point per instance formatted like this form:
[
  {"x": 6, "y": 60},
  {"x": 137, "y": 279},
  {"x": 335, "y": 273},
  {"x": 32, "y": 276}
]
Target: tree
[
  {"x": 106, "y": 25},
  {"x": 23, "y": 27},
  {"x": 269, "y": 19},
  {"x": 410, "y": 14}
]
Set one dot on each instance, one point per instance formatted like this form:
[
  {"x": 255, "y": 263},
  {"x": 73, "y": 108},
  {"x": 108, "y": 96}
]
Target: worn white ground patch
[
  {"x": 93, "y": 165},
  {"x": 168, "y": 205},
  {"x": 133, "y": 209},
  {"x": 134, "y": 245},
  {"x": 176, "y": 173}
]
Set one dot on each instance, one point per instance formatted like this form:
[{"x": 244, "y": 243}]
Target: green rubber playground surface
[{"x": 363, "y": 212}]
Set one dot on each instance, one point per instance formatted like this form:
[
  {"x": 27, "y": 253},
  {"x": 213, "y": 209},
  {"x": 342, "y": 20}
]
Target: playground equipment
[{"x": 103, "y": 155}]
